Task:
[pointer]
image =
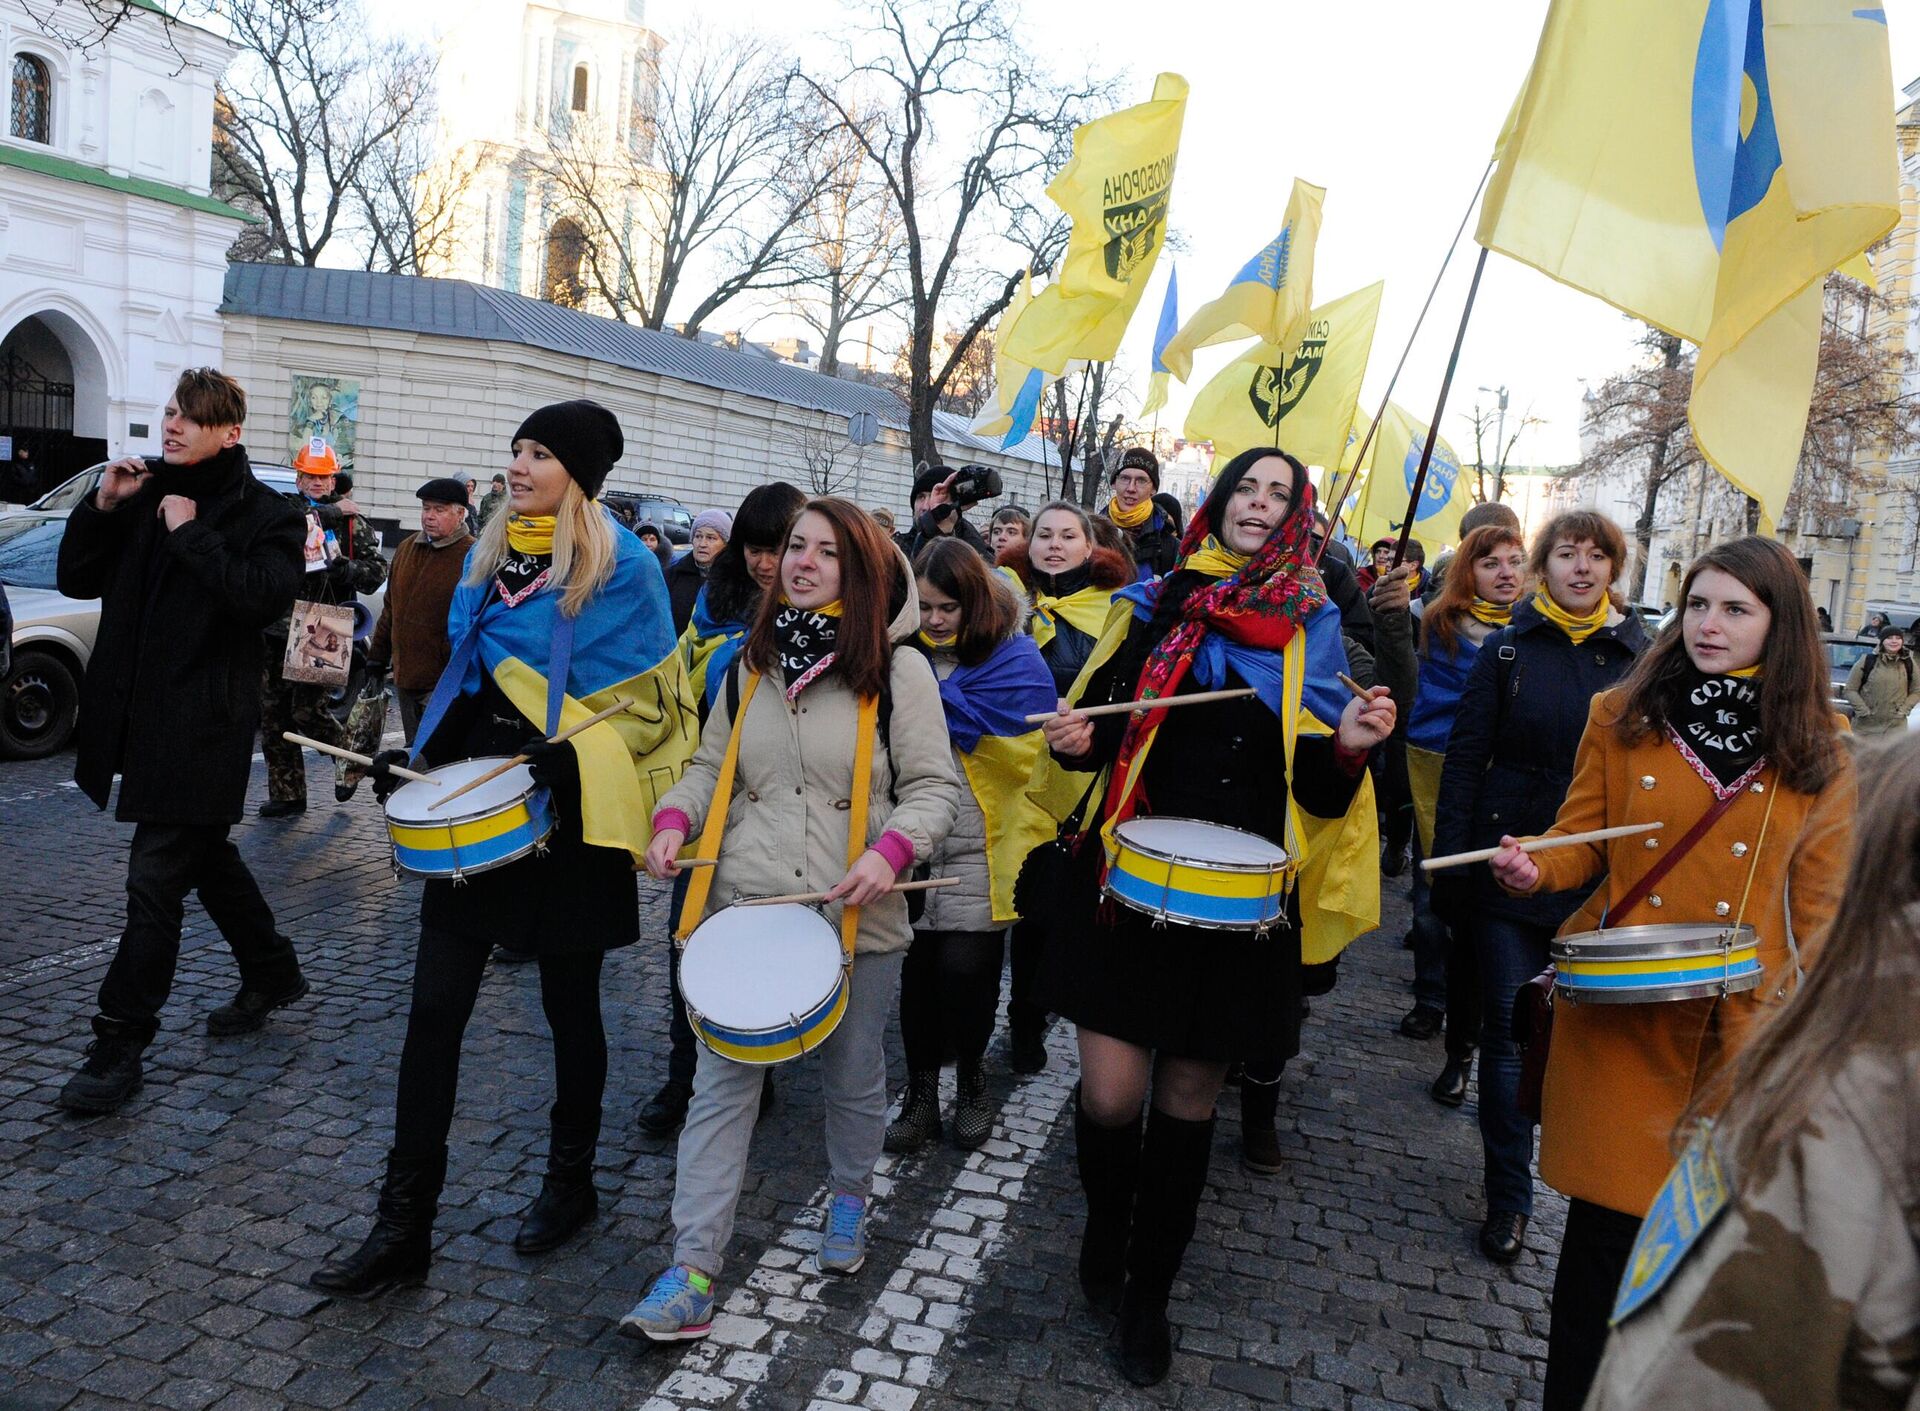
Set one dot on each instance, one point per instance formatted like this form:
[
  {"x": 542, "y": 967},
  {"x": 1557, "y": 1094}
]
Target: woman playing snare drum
[
  {"x": 1730, "y": 707},
  {"x": 822, "y": 673},
  {"x": 991, "y": 678},
  {"x": 1174, "y": 1005},
  {"x": 556, "y": 565}
]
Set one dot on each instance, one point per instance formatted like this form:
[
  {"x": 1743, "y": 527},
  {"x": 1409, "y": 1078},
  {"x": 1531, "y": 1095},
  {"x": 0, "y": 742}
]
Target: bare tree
[
  {"x": 407, "y": 200},
  {"x": 85, "y": 25},
  {"x": 1081, "y": 397},
  {"x": 959, "y": 124},
  {"x": 851, "y": 263},
  {"x": 833, "y": 463},
  {"x": 1490, "y": 429},
  {"x": 723, "y": 172},
  {"x": 309, "y": 104},
  {"x": 1638, "y": 418}
]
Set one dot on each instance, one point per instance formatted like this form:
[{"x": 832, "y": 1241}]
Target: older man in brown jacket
[{"x": 411, "y": 637}]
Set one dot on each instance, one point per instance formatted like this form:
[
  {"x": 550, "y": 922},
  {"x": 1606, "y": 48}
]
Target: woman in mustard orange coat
[{"x": 1731, "y": 704}]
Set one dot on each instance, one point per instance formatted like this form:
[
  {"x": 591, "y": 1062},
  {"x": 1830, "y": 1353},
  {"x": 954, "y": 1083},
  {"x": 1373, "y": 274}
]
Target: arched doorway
[{"x": 53, "y": 404}]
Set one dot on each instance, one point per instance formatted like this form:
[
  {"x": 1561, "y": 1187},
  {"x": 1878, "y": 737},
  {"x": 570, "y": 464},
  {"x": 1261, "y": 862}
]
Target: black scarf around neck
[
  {"x": 805, "y": 641},
  {"x": 1062, "y": 585},
  {"x": 1717, "y": 721},
  {"x": 203, "y": 480}
]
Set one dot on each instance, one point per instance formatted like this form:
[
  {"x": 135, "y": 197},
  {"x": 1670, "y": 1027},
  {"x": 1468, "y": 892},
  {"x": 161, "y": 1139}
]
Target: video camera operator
[{"x": 940, "y": 493}]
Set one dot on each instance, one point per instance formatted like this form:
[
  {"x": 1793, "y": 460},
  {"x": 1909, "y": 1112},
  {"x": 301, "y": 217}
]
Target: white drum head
[
  {"x": 413, "y": 801},
  {"x": 752, "y": 967},
  {"x": 1189, "y": 838}
]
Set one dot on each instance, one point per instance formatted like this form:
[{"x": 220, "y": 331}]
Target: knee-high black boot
[
  {"x": 567, "y": 1199},
  {"x": 1173, "y": 1175},
  {"x": 1109, "y": 1160},
  {"x": 399, "y": 1248},
  {"x": 1259, "y": 1137}
]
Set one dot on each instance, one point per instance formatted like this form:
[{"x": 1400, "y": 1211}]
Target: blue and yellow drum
[
  {"x": 764, "y": 984},
  {"x": 1651, "y": 964},
  {"x": 500, "y": 822},
  {"x": 1197, "y": 874}
]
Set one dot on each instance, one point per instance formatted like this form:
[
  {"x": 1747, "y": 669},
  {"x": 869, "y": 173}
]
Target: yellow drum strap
[
  {"x": 710, "y": 835},
  {"x": 864, "y": 732}
]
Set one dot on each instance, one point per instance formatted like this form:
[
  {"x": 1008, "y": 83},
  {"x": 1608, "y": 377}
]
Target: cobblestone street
[{"x": 158, "y": 1257}]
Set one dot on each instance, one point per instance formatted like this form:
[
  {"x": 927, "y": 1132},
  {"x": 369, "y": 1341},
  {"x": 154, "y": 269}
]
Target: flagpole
[
  {"x": 1360, "y": 458},
  {"x": 1433, "y": 427}
]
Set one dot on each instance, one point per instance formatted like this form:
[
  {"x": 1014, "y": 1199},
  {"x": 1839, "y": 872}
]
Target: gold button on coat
[
  {"x": 1759, "y": 788},
  {"x": 1646, "y": 781},
  {"x": 1653, "y": 901},
  {"x": 1739, "y": 849},
  {"x": 1720, "y": 908},
  {"x": 1651, "y": 844}
]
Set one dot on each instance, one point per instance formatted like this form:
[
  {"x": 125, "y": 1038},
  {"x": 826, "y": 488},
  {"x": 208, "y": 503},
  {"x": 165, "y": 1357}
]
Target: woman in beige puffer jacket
[
  {"x": 819, "y": 645},
  {"x": 992, "y": 677}
]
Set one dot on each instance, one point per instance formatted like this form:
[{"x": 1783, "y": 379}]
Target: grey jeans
[
  {"x": 412, "y": 704},
  {"x": 712, "y": 1160}
]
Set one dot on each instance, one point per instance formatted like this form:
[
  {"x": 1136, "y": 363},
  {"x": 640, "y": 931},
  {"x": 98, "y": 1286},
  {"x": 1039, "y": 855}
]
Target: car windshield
[
  {"x": 1842, "y": 655},
  {"x": 65, "y": 497},
  {"x": 28, "y": 551}
]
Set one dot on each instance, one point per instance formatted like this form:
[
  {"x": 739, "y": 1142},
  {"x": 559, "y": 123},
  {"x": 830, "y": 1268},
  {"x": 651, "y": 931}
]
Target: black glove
[
  {"x": 340, "y": 574},
  {"x": 380, "y": 772},
  {"x": 553, "y": 766}
]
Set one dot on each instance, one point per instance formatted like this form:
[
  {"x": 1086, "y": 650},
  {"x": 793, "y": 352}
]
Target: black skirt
[{"x": 1221, "y": 996}]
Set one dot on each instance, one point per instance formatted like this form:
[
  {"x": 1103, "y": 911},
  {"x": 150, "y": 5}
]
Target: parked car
[
  {"x": 53, "y": 634},
  {"x": 1843, "y": 650},
  {"x": 672, "y": 516}
]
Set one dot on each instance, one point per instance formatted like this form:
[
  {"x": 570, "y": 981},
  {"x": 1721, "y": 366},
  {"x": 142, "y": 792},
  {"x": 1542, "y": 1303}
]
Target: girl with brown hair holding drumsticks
[
  {"x": 1725, "y": 733},
  {"x": 825, "y": 676}
]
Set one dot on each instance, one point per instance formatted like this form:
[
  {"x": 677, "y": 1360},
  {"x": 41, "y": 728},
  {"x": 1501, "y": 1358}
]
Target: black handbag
[{"x": 1053, "y": 874}]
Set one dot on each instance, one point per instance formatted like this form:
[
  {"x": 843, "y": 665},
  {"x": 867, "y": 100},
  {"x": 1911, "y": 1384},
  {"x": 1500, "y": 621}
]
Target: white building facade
[
  {"x": 527, "y": 89},
  {"x": 112, "y": 249}
]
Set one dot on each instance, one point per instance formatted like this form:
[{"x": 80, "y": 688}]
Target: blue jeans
[
  {"x": 1510, "y": 954},
  {"x": 1429, "y": 936}
]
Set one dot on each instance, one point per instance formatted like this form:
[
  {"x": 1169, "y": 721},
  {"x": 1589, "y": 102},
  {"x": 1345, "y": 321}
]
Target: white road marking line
[{"x": 924, "y": 1302}]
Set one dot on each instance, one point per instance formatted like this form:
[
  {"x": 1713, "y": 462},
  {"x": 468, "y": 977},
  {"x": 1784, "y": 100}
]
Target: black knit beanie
[
  {"x": 1138, "y": 458},
  {"x": 584, "y": 435}
]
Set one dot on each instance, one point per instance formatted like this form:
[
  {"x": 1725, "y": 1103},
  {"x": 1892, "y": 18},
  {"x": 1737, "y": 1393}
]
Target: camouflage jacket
[
  {"x": 362, "y": 550},
  {"x": 1804, "y": 1293}
]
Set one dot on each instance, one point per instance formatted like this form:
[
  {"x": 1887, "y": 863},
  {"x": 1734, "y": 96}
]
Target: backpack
[{"x": 1873, "y": 659}]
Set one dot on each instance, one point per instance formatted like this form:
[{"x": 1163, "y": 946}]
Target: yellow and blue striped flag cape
[
  {"x": 1338, "y": 859},
  {"x": 1702, "y": 165},
  {"x": 623, "y": 645}
]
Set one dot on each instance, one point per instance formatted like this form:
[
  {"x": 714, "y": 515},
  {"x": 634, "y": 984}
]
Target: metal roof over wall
[{"x": 455, "y": 308}]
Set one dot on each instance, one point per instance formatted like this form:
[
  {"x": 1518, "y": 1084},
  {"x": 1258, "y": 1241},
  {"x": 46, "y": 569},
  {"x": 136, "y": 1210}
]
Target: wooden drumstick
[
  {"x": 520, "y": 759},
  {"x": 1165, "y": 702},
  {"x": 1597, "y": 835},
  {"x": 352, "y": 758},
  {"x": 806, "y": 898},
  {"x": 684, "y": 862}
]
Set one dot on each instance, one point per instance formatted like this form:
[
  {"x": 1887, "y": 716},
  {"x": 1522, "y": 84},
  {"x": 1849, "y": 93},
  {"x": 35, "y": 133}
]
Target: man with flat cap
[{"x": 411, "y": 637}]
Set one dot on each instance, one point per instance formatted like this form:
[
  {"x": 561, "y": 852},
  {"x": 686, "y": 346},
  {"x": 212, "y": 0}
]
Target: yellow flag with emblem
[
  {"x": 1116, "y": 187},
  {"x": 1269, "y": 299},
  {"x": 1380, "y": 504},
  {"x": 1702, "y": 164},
  {"x": 1303, "y": 401}
]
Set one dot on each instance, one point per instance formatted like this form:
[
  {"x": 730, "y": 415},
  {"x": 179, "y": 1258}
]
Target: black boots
[
  {"x": 919, "y": 1119},
  {"x": 1450, "y": 1088},
  {"x": 567, "y": 1199},
  {"x": 1173, "y": 1176},
  {"x": 400, "y": 1247},
  {"x": 112, "y": 1071},
  {"x": 1259, "y": 1140},
  {"x": 249, "y": 1009},
  {"x": 666, "y": 1112},
  {"x": 1109, "y": 1160},
  {"x": 972, "y": 1107}
]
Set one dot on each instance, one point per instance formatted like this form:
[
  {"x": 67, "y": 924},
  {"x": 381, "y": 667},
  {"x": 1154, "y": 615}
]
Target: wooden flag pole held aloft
[{"x": 1439, "y": 409}]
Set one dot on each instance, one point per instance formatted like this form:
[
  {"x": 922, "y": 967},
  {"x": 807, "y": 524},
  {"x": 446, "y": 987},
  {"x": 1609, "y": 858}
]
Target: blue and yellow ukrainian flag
[
  {"x": 1163, "y": 335},
  {"x": 1702, "y": 165}
]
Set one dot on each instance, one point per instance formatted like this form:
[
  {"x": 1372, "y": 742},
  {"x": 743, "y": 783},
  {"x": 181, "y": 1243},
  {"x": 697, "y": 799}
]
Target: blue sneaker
[
  {"x": 678, "y": 1308},
  {"x": 843, "y": 1249}
]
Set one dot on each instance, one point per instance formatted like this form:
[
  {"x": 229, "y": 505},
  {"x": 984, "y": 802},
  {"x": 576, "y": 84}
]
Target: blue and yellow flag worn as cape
[
  {"x": 1338, "y": 858},
  {"x": 623, "y": 645},
  {"x": 1443, "y": 682},
  {"x": 986, "y": 707},
  {"x": 708, "y": 648}
]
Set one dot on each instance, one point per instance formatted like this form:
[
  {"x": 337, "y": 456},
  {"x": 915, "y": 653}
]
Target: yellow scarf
[
  {"x": 1133, "y": 518},
  {"x": 832, "y": 609},
  {"x": 1577, "y": 628},
  {"x": 1084, "y": 609},
  {"x": 1493, "y": 614},
  {"x": 531, "y": 533},
  {"x": 938, "y": 642},
  {"x": 1215, "y": 559},
  {"x": 1746, "y": 673}
]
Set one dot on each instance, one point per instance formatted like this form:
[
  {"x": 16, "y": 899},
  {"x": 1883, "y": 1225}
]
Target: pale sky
[{"x": 1392, "y": 105}]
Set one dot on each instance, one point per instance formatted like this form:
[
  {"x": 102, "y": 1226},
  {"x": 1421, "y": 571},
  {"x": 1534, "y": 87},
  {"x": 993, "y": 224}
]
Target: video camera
[{"x": 975, "y": 483}]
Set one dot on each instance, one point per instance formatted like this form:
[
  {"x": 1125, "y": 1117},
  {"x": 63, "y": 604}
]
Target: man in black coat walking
[{"x": 191, "y": 557}]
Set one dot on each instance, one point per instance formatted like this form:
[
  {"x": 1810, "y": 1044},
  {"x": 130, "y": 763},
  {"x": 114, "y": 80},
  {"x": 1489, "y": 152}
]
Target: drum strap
[
  {"x": 857, "y": 813},
  {"x": 702, "y": 883}
]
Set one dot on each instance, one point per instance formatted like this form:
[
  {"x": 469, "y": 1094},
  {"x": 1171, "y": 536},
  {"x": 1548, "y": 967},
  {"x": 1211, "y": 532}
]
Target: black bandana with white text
[{"x": 1717, "y": 722}]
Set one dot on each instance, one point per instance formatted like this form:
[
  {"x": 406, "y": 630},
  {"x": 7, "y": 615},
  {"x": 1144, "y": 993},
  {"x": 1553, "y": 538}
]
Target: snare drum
[
  {"x": 1648, "y": 964},
  {"x": 764, "y": 984},
  {"x": 1197, "y": 874},
  {"x": 500, "y": 822}
]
